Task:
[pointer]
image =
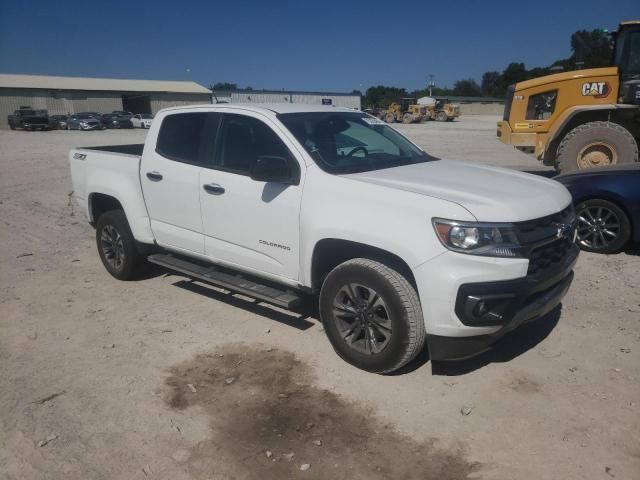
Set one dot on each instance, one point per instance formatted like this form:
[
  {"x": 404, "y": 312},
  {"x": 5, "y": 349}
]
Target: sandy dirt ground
[{"x": 163, "y": 378}]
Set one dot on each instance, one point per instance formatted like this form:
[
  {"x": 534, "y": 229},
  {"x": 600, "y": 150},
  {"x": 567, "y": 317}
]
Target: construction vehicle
[
  {"x": 580, "y": 119},
  {"x": 404, "y": 110},
  {"x": 441, "y": 110}
]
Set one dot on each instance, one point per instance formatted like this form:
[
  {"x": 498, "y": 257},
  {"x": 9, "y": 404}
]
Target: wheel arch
[
  {"x": 100, "y": 203},
  {"x": 328, "y": 253}
]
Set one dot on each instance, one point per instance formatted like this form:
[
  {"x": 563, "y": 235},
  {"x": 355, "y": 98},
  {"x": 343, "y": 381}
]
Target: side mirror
[{"x": 274, "y": 169}]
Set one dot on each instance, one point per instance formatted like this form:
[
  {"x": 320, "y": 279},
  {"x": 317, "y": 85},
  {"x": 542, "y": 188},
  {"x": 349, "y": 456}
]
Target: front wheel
[
  {"x": 441, "y": 117},
  {"x": 117, "y": 247},
  {"x": 596, "y": 144},
  {"x": 372, "y": 315},
  {"x": 603, "y": 227}
]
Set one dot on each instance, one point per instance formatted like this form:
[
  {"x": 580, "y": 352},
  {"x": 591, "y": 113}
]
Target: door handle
[
  {"x": 155, "y": 176},
  {"x": 213, "y": 188}
]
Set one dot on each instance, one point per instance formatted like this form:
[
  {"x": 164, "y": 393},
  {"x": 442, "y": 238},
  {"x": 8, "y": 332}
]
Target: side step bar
[{"x": 233, "y": 282}]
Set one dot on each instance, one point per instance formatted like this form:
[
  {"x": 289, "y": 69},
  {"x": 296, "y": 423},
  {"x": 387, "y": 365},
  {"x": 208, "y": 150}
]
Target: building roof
[
  {"x": 98, "y": 84},
  {"x": 227, "y": 93}
]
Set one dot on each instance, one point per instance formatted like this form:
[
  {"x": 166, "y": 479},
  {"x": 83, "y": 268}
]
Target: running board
[{"x": 233, "y": 282}]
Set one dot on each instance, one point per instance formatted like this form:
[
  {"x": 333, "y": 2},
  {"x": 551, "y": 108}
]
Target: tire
[
  {"x": 390, "y": 118},
  {"x": 12, "y": 126},
  {"x": 603, "y": 227},
  {"x": 596, "y": 144},
  {"x": 397, "y": 308},
  {"x": 407, "y": 118},
  {"x": 441, "y": 117},
  {"x": 123, "y": 261}
]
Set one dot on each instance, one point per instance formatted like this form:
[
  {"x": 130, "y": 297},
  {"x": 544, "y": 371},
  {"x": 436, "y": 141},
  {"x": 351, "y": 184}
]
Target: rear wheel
[
  {"x": 441, "y": 117},
  {"x": 117, "y": 247},
  {"x": 407, "y": 118},
  {"x": 372, "y": 315},
  {"x": 603, "y": 227},
  {"x": 596, "y": 144}
]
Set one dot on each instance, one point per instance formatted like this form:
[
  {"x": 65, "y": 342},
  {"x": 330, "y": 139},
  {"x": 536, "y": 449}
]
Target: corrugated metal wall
[
  {"x": 61, "y": 102},
  {"x": 166, "y": 100},
  {"x": 349, "y": 101}
]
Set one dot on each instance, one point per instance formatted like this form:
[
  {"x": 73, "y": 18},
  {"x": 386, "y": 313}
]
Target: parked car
[
  {"x": 111, "y": 120},
  {"x": 83, "y": 121},
  {"x": 27, "y": 118},
  {"x": 96, "y": 115},
  {"x": 57, "y": 122},
  {"x": 279, "y": 203},
  {"x": 142, "y": 120},
  {"x": 123, "y": 113},
  {"x": 607, "y": 203}
]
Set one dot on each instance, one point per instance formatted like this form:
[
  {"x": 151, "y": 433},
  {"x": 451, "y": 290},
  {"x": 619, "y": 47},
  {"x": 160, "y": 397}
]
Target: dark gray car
[{"x": 83, "y": 121}]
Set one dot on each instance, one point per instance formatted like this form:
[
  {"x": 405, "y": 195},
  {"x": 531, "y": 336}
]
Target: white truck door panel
[
  {"x": 249, "y": 223},
  {"x": 169, "y": 175}
]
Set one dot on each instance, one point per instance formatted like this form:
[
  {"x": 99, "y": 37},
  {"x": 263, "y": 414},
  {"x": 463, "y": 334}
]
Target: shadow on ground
[
  {"x": 506, "y": 349},
  {"x": 267, "y": 420}
]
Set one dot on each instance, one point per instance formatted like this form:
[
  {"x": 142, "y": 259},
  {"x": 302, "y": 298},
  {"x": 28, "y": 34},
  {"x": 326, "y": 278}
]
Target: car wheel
[
  {"x": 603, "y": 227},
  {"x": 596, "y": 144},
  {"x": 372, "y": 315},
  {"x": 117, "y": 247}
]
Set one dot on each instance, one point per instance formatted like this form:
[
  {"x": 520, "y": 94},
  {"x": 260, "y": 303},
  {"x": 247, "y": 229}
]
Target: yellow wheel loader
[
  {"x": 404, "y": 110},
  {"x": 584, "y": 118}
]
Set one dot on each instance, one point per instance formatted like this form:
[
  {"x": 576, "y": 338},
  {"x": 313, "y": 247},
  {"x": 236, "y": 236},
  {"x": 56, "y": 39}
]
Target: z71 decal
[{"x": 595, "y": 89}]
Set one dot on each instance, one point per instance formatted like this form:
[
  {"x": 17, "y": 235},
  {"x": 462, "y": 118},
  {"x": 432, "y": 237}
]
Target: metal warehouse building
[
  {"x": 348, "y": 100},
  {"x": 62, "y": 95}
]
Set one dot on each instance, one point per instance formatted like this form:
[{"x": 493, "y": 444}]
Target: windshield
[
  {"x": 344, "y": 142},
  {"x": 146, "y": 116},
  {"x": 85, "y": 116}
]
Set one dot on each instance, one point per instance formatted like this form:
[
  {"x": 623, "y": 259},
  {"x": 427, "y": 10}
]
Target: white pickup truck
[{"x": 279, "y": 202}]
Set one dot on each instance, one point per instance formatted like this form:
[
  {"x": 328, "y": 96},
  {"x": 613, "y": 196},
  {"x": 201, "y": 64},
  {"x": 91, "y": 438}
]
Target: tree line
[{"x": 589, "y": 49}]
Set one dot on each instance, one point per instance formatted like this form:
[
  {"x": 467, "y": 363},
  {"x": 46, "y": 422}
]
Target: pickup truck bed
[{"x": 132, "y": 149}]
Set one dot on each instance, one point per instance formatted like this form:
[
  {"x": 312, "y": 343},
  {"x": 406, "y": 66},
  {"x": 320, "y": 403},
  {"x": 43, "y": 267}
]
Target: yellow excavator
[{"x": 584, "y": 118}]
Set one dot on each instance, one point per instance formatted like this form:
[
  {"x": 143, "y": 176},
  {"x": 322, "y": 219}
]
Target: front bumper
[
  {"x": 470, "y": 303},
  {"x": 517, "y": 139}
]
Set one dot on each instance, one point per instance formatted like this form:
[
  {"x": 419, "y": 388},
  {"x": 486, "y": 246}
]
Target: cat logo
[{"x": 595, "y": 89}]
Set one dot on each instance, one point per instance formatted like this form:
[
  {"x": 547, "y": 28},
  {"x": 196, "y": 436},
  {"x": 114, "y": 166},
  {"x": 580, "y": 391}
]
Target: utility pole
[{"x": 431, "y": 83}]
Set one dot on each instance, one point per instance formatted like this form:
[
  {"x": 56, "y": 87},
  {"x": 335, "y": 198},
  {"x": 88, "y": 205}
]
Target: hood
[
  {"x": 490, "y": 194},
  {"x": 571, "y": 75}
]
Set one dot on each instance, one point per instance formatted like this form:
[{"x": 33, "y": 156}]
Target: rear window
[{"x": 180, "y": 137}]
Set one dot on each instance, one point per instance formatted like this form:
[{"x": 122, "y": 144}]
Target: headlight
[
  {"x": 84, "y": 124},
  {"x": 487, "y": 239}
]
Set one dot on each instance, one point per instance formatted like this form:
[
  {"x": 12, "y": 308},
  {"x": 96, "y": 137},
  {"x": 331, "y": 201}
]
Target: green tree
[
  {"x": 491, "y": 84},
  {"x": 222, "y": 86},
  {"x": 381, "y": 96},
  {"x": 467, "y": 88},
  {"x": 591, "y": 47}
]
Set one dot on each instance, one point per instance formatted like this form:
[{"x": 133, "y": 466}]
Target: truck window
[
  {"x": 243, "y": 140},
  {"x": 180, "y": 137}
]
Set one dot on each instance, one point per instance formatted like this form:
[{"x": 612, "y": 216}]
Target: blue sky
[{"x": 320, "y": 45}]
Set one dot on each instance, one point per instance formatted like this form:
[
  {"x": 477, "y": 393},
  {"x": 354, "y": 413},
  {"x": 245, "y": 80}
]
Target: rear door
[
  {"x": 247, "y": 223},
  {"x": 170, "y": 175}
]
